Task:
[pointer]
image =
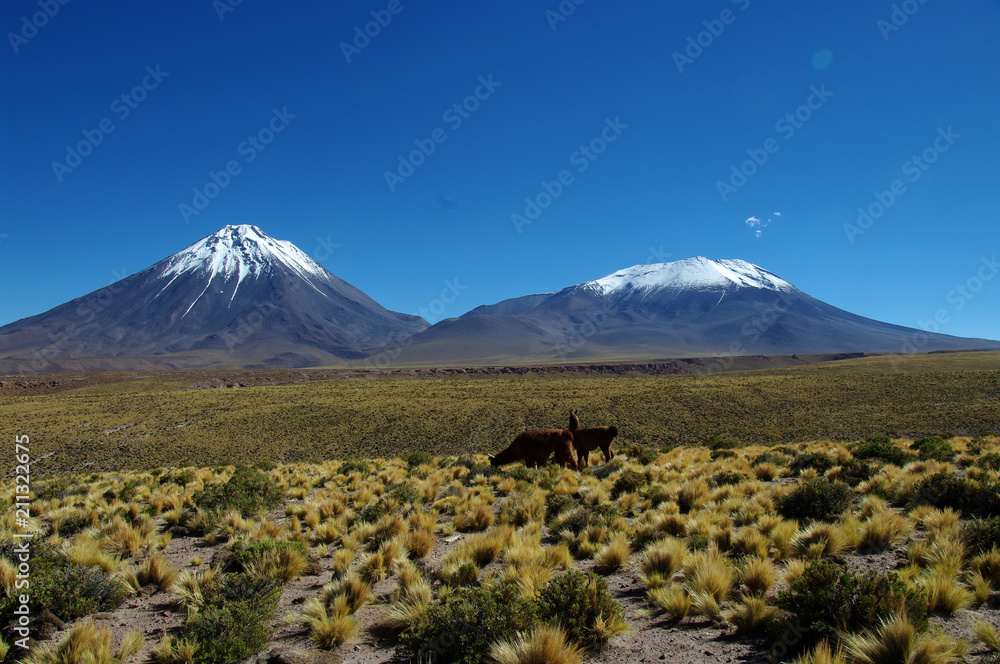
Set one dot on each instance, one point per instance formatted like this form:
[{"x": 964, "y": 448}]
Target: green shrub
[
  {"x": 818, "y": 499},
  {"x": 989, "y": 461},
  {"x": 770, "y": 457},
  {"x": 606, "y": 470},
  {"x": 66, "y": 588},
  {"x": 973, "y": 499},
  {"x": 576, "y": 600},
  {"x": 418, "y": 458},
  {"x": 729, "y": 477},
  {"x": 182, "y": 478},
  {"x": 881, "y": 448},
  {"x": 933, "y": 447},
  {"x": 828, "y": 599},
  {"x": 354, "y": 466},
  {"x": 248, "y": 491},
  {"x": 557, "y": 503},
  {"x": 821, "y": 462},
  {"x": 233, "y": 621},
  {"x": 585, "y": 516},
  {"x": 641, "y": 454},
  {"x": 628, "y": 482},
  {"x": 717, "y": 442},
  {"x": 459, "y": 629},
  {"x": 853, "y": 472},
  {"x": 981, "y": 535}
]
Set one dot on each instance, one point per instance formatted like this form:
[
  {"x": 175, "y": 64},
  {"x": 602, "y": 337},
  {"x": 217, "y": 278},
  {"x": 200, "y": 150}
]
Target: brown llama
[
  {"x": 587, "y": 440},
  {"x": 535, "y": 446}
]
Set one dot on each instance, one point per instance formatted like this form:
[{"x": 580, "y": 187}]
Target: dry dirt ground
[{"x": 651, "y": 637}]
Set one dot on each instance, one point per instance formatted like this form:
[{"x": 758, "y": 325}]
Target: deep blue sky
[{"x": 651, "y": 195}]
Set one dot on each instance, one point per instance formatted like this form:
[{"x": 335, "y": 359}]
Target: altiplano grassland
[
  {"x": 878, "y": 550},
  {"x": 159, "y": 419}
]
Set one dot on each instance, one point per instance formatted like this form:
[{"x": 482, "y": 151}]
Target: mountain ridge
[{"x": 240, "y": 298}]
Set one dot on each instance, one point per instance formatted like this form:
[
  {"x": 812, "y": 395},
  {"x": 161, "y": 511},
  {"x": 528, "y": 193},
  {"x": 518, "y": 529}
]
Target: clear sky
[{"x": 625, "y": 123}]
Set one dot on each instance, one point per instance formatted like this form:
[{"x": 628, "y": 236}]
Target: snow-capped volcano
[
  {"x": 695, "y": 307},
  {"x": 235, "y": 253},
  {"x": 698, "y": 273},
  {"x": 237, "y": 297}
]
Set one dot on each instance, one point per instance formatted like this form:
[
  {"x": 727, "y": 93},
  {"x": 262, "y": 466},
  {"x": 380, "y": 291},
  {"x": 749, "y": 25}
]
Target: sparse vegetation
[{"x": 442, "y": 555}]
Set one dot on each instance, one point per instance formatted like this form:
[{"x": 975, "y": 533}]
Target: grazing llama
[
  {"x": 535, "y": 447},
  {"x": 587, "y": 440}
]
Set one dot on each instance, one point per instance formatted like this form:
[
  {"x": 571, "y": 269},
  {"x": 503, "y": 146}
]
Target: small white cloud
[
  {"x": 753, "y": 222},
  {"x": 777, "y": 214}
]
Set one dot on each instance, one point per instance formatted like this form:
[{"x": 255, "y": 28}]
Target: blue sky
[{"x": 621, "y": 120}]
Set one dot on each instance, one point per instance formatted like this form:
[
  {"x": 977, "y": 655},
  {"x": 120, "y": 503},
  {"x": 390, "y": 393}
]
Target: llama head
[{"x": 493, "y": 460}]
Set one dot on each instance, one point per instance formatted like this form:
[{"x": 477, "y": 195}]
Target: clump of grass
[
  {"x": 709, "y": 572},
  {"x": 173, "y": 650},
  {"x": 479, "y": 518},
  {"x": 663, "y": 558},
  {"x": 987, "y": 634},
  {"x": 156, "y": 571},
  {"x": 674, "y": 600},
  {"x": 87, "y": 642},
  {"x": 820, "y": 540},
  {"x": 612, "y": 556},
  {"x": 546, "y": 644},
  {"x": 751, "y": 614},
  {"x": 758, "y": 575},
  {"x": 882, "y": 530},
  {"x": 822, "y": 654},
  {"x": 897, "y": 640}
]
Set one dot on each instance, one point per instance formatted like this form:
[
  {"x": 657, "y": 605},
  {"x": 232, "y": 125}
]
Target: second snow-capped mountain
[{"x": 690, "y": 308}]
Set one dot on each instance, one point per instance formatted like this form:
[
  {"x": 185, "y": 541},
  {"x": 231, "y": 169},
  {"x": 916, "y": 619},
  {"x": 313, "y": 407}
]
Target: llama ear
[{"x": 490, "y": 457}]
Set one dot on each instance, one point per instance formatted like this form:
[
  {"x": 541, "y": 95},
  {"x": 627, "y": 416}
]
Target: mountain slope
[
  {"x": 237, "y": 297},
  {"x": 688, "y": 308}
]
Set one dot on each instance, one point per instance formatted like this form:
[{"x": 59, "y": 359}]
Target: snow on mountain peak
[
  {"x": 697, "y": 273},
  {"x": 236, "y": 252}
]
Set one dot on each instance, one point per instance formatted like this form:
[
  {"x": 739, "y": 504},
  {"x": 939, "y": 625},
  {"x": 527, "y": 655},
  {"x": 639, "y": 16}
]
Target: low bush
[
  {"x": 418, "y": 458},
  {"x": 582, "y": 605},
  {"x": 821, "y": 462},
  {"x": 627, "y": 482},
  {"x": 981, "y": 535},
  {"x": 459, "y": 629},
  {"x": 973, "y": 499},
  {"x": 729, "y": 477},
  {"x": 853, "y": 472},
  {"x": 828, "y": 600},
  {"x": 881, "y": 448},
  {"x": 818, "y": 499},
  {"x": 248, "y": 491},
  {"x": 68, "y": 589},
  {"x": 933, "y": 447},
  {"x": 234, "y": 619}
]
